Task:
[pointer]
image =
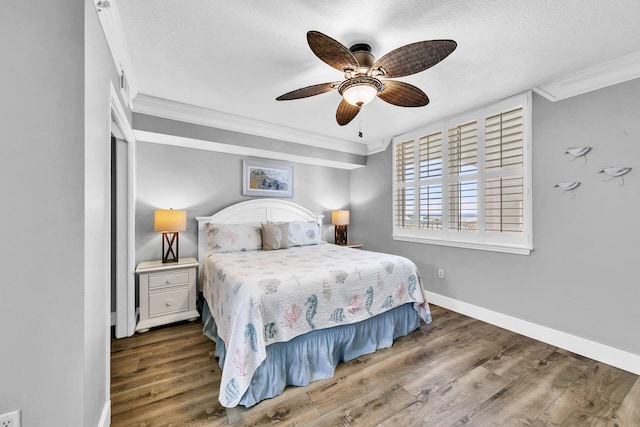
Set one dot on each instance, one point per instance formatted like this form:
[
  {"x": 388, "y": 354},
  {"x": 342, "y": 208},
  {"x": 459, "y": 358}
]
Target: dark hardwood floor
[{"x": 454, "y": 371}]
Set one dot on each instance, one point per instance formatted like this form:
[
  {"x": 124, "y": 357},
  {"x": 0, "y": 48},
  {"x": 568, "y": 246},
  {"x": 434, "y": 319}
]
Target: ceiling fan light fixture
[
  {"x": 360, "y": 90},
  {"x": 363, "y": 73},
  {"x": 359, "y": 95}
]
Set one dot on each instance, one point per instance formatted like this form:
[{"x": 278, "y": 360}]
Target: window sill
[{"x": 490, "y": 247}]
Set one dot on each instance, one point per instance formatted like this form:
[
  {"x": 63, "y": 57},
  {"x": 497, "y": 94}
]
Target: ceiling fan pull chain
[{"x": 360, "y": 127}]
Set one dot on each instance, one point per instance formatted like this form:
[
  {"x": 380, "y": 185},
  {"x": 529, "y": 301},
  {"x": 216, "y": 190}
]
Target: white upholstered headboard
[{"x": 256, "y": 210}]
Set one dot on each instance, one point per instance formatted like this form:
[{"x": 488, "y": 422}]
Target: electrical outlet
[
  {"x": 441, "y": 273},
  {"x": 10, "y": 419}
]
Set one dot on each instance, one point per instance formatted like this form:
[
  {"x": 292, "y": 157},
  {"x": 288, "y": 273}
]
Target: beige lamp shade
[
  {"x": 168, "y": 220},
  {"x": 340, "y": 217}
]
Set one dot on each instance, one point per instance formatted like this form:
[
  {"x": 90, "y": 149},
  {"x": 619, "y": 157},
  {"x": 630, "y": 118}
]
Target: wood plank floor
[{"x": 454, "y": 371}]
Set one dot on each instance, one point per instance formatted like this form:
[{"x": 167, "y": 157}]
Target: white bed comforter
[{"x": 261, "y": 297}]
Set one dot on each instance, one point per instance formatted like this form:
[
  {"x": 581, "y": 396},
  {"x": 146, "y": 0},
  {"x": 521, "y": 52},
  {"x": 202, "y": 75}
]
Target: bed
[{"x": 284, "y": 307}]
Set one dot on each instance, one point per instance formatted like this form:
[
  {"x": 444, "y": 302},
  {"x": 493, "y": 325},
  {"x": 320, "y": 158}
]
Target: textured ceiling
[{"x": 236, "y": 57}]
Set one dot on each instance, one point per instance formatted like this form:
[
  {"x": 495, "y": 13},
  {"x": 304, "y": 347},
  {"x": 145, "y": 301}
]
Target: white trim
[
  {"x": 105, "y": 416},
  {"x": 591, "y": 349},
  {"x": 125, "y": 304},
  {"x": 491, "y": 247},
  {"x": 119, "y": 115},
  {"x": 180, "y": 141},
  {"x": 606, "y": 74},
  {"x": 146, "y": 104},
  {"x": 378, "y": 147},
  {"x": 132, "y": 315},
  {"x": 159, "y": 107},
  {"x": 113, "y": 32},
  {"x": 114, "y": 317}
]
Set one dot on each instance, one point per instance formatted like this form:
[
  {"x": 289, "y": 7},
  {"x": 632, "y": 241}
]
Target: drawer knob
[
  {"x": 168, "y": 302},
  {"x": 167, "y": 282}
]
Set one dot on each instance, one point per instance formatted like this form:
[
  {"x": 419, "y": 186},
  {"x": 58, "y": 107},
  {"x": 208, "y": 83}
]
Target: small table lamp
[
  {"x": 169, "y": 222},
  {"x": 340, "y": 219}
]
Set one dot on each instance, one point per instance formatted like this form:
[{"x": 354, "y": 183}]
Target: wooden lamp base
[
  {"x": 169, "y": 239},
  {"x": 341, "y": 235}
]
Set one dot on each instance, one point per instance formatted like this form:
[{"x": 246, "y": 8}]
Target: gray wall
[
  {"x": 203, "y": 182},
  {"x": 53, "y": 295},
  {"x": 581, "y": 277},
  {"x": 99, "y": 70},
  {"x": 164, "y": 126}
]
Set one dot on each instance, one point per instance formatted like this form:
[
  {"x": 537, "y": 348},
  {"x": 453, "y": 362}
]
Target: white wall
[
  {"x": 581, "y": 277},
  {"x": 53, "y": 297}
]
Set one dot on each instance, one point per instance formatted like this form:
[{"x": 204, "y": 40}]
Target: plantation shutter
[
  {"x": 466, "y": 181},
  {"x": 430, "y": 172},
  {"x": 405, "y": 192},
  {"x": 463, "y": 169},
  {"x": 504, "y": 159}
]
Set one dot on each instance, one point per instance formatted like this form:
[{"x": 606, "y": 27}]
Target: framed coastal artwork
[{"x": 266, "y": 179}]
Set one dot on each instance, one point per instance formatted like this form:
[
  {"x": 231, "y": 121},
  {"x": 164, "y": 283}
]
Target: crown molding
[
  {"x": 199, "y": 144},
  {"x": 606, "y": 74},
  {"x": 378, "y": 146},
  {"x": 151, "y": 105}
]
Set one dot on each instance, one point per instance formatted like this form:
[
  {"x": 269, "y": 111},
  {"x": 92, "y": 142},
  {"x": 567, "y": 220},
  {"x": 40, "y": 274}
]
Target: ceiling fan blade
[
  {"x": 414, "y": 57},
  {"x": 403, "y": 94},
  {"x": 346, "y": 112},
  {"x": 331, "y": 51},
  {"x": 308, "y": 91}
]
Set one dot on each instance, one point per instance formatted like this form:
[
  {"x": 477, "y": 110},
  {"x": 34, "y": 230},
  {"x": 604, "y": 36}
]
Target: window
[{"x": 465, "y": 181}]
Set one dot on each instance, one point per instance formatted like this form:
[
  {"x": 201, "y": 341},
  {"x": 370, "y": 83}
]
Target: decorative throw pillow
[
  {"x": 275, "y": 236},
  {"x": 304, "y": 233},
  {"x": 234, "y": 237}
]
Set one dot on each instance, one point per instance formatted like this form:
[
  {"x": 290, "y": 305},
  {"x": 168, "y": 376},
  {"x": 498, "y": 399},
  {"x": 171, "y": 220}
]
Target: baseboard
[
  {"x": 114, "y": 318},
  {"x": 591, "y": 349},
  {"x": 105, "y": 417}
]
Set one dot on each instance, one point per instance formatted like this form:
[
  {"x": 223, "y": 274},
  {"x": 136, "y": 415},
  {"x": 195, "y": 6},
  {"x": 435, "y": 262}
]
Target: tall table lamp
[
  {"x": 340, "y": 219},
  {"x": 170, "y": 223}
]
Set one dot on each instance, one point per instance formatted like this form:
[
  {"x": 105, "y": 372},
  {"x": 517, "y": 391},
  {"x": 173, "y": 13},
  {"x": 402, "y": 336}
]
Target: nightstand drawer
[
  {"x": 158, "y": 280},
  {"x": 171, "y": 301}
]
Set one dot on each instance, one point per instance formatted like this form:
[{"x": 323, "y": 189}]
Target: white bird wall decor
[
  {"x": 578, "y": 152},
  {"x": 567, "y": 186},
  {"x": 615, "y": 172}
]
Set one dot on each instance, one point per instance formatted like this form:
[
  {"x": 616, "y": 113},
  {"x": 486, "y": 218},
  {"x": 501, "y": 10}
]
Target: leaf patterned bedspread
[{"x": 261, "y": 297}]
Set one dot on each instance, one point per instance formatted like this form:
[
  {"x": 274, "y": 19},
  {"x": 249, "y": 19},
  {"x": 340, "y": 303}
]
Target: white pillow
[
  {"x": 304, "y": 233},
  {"x": 234, "y": 237}
]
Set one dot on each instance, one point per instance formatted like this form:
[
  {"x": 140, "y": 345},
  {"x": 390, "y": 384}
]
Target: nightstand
[{"x": 167, "y": 292}]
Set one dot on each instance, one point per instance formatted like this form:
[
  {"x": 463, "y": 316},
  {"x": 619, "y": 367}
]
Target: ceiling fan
[{"x": 363, "y": 75}]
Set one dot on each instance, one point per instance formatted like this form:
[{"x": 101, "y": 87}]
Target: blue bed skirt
[{"x": 315, "y": 355}]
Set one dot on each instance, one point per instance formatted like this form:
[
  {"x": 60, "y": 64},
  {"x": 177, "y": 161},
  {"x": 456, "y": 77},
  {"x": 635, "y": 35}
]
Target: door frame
[{"x": 126, "y": 316}]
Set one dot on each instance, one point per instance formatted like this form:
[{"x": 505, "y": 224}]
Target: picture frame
[{"x": 265, "y": 179}]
